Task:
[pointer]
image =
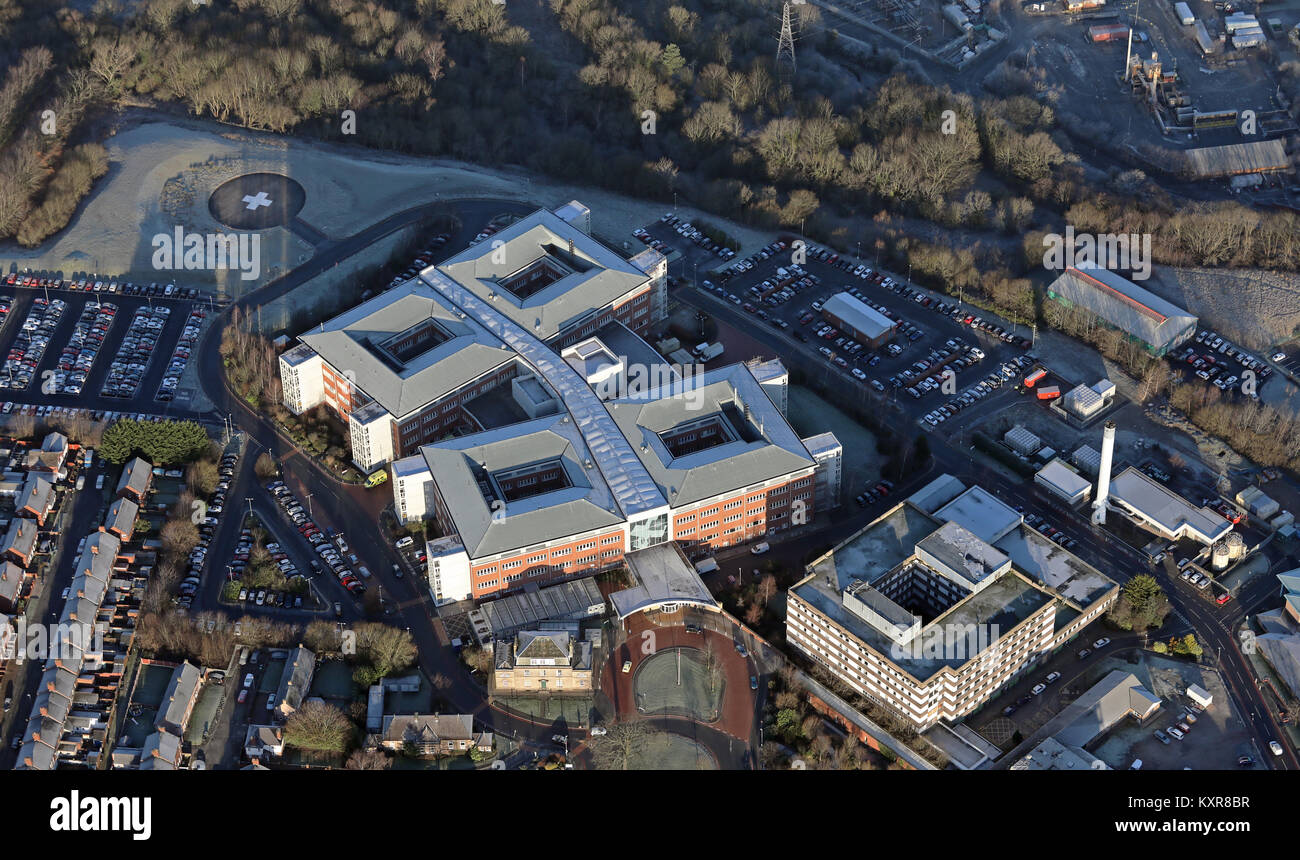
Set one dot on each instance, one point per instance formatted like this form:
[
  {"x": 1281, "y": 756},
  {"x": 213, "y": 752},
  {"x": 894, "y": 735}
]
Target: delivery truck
[
  {"x": 1034, "y": 376},
  {"x": 1051, "y": 392},
  {"x": 710, "y": 352}
]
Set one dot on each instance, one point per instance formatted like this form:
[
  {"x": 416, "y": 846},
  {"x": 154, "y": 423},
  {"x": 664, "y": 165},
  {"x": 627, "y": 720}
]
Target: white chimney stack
[{"x": 1103, "y": 474}]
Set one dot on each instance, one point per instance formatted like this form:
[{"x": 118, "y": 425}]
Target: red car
[{"x": 1223, "y": 598}]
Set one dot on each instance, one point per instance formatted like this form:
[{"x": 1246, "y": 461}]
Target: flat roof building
[
  {"x": 927, "y": 616},
  {"x": 1064, "y": 482},
  {"x": 1156, "y": 508},
  {"x": 550, "y": 277}
]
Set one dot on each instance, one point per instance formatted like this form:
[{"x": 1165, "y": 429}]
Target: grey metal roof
[
  {"x": 663, "y": 575},
  {"x": 458, "y": 465},
  {"x": 773, "y": 450},
  {"x": 1123, "y": 304},
  {"x": 866, "y": 320},
  {"x": 345, "y": 342},
  {"x": 1161, "y": 505},
  {"x": 607, "y": 276},
  {"x": 624, "y": 474},
  {"x": 1110, "y": 700},
  {"x": 576, "y": 598}
]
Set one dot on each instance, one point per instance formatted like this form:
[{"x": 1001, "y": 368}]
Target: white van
[{"x": 760, "y": 548}]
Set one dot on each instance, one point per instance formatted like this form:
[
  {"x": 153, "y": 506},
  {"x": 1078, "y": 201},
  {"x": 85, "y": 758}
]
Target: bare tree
[{"x": 622, "y": 745}]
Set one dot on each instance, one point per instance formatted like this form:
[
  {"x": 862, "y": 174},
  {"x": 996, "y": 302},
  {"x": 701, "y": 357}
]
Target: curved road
[{"x": 336, "y": 504}]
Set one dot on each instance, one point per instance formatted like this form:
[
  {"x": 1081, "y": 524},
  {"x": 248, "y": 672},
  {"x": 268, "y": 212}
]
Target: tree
[
  {"x": 622, "y": 745},
  {"x": 478, "y": 658},
  {"x": 767, "y": 588},
  {"x": 202, "y": 476},
  {"x": 318, "y": 726},
  {"x": 179, "y": 537},
  {"x": 368, "y": 760},
  {"x": 161, "y": 443},
  {"x": 672, "y": 60},
  {"x": 266, "y": 467},
  {"x": 386, "y": 649},
  {"x": 1141, "y": 605}
]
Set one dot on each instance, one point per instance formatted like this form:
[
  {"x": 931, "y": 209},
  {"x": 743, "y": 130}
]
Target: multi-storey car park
[
  {"x": 401, "y": 367},
  {"x": 941, "y": 602}
]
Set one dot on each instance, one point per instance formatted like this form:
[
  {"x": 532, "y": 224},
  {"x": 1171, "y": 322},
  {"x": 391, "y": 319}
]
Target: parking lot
[
  {"x": 1217, "y": 361},
  {"x": 105, "y": 350},
  {"x": 329, "y": 551},
  {"x": 698, "y": 252},
  {"x": 933, "y": 335}
]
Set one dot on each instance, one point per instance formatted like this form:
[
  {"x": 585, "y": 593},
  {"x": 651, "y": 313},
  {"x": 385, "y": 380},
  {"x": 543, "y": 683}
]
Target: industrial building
[
  {"x": 1238, "y": 159},
  {"x": 1087, "y": 459},
  {"x": 1064, "y": 482},
  {"x": 1022, "y": 441},
  {"x": 1156, "y": 324},
  {"x": 1085, "y": 402},
  {"x": 1156, "y": 508},
  {"x": 941, "y": 602},
  {"x": 859, "y": 320},
  {"x": 1257, "y": 504},
  {"x": 1112, "y": 700}
]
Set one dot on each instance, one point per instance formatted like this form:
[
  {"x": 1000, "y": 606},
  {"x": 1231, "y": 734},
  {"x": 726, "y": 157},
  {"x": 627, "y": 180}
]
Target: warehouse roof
[
  {"x": 1236, "y": 158},
  {"x": 865, "y": 319},
  {"x": 543, "y": 273},
  {"x": 407, "y": 347},
  {"x": 1061, "y": 476},
  {"x": 1165, "y": 508},
  {"x": 1123, "y": 304}
]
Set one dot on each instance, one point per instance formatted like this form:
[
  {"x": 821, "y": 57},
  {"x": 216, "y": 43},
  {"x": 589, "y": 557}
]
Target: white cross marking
[{"x": 254, "y": 202}]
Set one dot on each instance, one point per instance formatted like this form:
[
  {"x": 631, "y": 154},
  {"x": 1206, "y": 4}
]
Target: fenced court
[{"x": 681, "y": 681}]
